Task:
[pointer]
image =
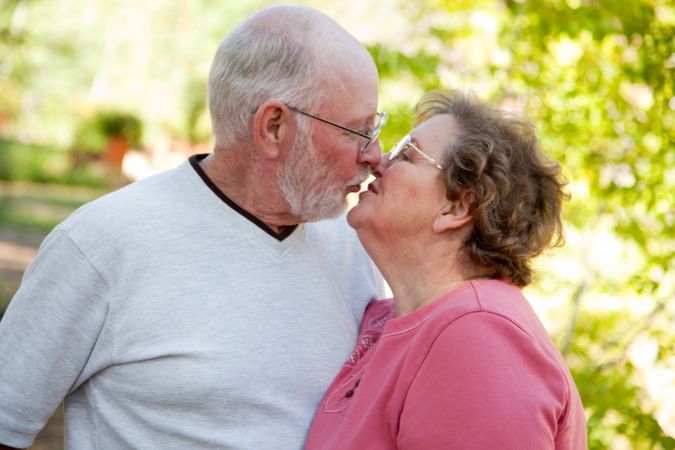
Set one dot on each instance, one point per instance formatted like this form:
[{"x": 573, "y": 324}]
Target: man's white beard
[{"x": 309, "y": 185}]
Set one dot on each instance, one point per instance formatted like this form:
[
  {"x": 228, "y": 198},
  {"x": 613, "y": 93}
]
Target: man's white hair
[{"x": 270, "y": 56}]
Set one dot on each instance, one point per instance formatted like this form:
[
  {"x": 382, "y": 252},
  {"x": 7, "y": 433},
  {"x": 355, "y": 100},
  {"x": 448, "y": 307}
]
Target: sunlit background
[{"x": 94, "y": 94}]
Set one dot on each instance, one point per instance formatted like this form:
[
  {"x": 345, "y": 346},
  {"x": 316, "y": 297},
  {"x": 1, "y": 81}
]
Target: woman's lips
[{"x": 372, "y": 188}]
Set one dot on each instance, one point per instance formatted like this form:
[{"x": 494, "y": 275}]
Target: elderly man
[{"x": 207, "y": 307}]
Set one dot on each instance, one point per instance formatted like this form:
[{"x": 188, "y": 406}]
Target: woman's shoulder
[
  {"x": 483, "y": 297},
  {"x": 492, "y": 316},
  {"x": 489, "y": 303}
]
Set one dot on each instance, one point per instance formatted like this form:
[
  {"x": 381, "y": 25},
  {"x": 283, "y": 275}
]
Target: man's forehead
[
  {"x": 351, "y": 110},
  {"x": 349, "y": 83},
  {"x": 349, "y": 80}
]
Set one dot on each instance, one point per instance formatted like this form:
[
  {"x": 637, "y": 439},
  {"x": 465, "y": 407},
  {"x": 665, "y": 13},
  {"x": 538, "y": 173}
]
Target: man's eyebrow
[
  {"x": 364, "y": 124},
  {"x": 352, "y": 125}
]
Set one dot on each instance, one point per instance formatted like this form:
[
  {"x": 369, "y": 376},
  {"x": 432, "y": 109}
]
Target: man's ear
[
  {"x": 455, "y": 214},
  {"x": 273, "y": 126}
]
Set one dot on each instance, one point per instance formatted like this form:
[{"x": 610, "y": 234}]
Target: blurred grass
[{"x": 32, "y": 207}]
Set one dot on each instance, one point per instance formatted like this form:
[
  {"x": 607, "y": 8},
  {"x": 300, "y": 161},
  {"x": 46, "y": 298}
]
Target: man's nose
[
  {"x": 372, "y": 155},
  {"x": 382, "y": 165}
]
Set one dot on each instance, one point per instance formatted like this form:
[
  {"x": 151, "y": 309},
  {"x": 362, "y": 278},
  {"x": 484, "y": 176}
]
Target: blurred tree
[
  {"x": 61, "y": 61},
  {"x": 197, "y": 123},
  {"x": 598, "y": 80},
  {"x": 13, "y": 68}
]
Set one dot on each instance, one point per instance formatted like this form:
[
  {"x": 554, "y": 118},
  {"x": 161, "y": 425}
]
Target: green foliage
[
  {"x": 93, "y": 132},
  {"x": 611, "y": 105},
  {"x": 391, "y": 63},
  {"x": 28, "y": 162},
  {"x": 89, "y": 136},
  {"x": 121, "y": 125},
  {"x": 611, "y": 386},
  {"x": 11, "y": 37},
  {"x": 197, "y": 122},
  {"x": 400, "y": 123}
]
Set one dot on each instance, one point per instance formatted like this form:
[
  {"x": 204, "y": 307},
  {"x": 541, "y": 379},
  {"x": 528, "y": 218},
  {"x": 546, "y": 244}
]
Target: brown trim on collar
[{"x": 285, "y": 231}]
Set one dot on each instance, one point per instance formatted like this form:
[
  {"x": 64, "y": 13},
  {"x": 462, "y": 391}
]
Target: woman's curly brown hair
[{"x": 519, "y": 192}]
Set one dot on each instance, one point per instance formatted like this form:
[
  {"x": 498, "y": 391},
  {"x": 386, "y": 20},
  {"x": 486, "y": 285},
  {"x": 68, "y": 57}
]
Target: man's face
[
  {"x": 308, "y": 183},
  {"x": 325, "y": 164}
]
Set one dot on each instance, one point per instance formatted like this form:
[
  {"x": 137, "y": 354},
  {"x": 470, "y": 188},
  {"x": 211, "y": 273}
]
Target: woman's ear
[
  {"x": 455, "y": 214},
  {"x": 272, "y": 128}
]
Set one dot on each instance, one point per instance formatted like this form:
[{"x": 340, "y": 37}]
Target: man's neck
[{"x": 251, "y": 184}]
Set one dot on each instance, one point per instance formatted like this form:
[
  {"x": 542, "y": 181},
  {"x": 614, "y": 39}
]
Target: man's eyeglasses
[
  {"x": 400, "y": 148},
  {"x": 382, "y": 118}
]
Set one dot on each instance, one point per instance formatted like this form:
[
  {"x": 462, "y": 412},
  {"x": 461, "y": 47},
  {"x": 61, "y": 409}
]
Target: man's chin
[{"x": 326, "y": 212}]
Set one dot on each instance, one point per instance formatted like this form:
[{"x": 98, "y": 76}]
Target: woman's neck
[
  {"x": 419, "y": 273},
  {"x": 416, "y": 289}
]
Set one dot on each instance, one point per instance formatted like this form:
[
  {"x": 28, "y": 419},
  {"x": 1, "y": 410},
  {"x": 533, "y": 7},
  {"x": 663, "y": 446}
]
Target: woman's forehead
[{"x": 435, "y": 132}]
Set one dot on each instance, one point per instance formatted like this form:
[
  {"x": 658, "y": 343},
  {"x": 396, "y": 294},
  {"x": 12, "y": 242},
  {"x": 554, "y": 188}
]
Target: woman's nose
[{"x": 383, "y": 165}]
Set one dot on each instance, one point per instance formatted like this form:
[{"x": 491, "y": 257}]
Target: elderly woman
[{"x": 460, "y": 360}]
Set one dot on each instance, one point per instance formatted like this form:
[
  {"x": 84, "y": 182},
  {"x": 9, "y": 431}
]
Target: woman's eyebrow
[{"x": 415, "y": 142}]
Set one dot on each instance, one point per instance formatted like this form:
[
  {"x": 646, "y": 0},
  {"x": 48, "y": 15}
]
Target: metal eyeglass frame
[
  {"x": 396, "y": 151},
  {"x": 382, "y": 118}
]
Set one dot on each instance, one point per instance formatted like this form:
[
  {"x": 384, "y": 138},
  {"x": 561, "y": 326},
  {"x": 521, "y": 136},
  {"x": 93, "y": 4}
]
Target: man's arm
[{"x": 46, "y": 337}]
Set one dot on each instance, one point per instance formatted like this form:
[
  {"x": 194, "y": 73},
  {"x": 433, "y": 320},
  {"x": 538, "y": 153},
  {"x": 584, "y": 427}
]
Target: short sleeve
[
  {"x": 485, "y": 383},
  {"x": 46, "y": 336}
]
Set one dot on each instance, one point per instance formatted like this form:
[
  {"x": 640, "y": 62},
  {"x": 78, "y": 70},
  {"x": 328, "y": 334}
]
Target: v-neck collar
[{"x": 283, "y": 234}]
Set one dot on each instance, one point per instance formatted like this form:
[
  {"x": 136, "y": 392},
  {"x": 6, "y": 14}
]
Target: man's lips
[
  {"x": 372, "y": 188},
  {"x": 356, "y": 187}
]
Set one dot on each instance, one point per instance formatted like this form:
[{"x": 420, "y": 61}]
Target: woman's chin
[{"x": 356, "y": 217}]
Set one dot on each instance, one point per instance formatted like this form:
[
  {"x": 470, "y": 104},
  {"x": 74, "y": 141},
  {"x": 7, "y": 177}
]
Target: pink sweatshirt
[{"x": 475, "y": 369}]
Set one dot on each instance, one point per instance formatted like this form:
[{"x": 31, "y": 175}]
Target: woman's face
[{"x": 409, "y": 191}]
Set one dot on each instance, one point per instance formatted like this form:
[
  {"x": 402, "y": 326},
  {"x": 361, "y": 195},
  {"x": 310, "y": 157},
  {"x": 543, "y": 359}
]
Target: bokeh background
[{"x": 97, "y": 93}]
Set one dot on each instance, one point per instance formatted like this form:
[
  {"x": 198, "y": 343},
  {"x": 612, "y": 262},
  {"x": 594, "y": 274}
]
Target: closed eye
[
  {"x": 368, "y": 128},
  {"x": 351, "y": 135},
  {"x": 405, "y": 154}
]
